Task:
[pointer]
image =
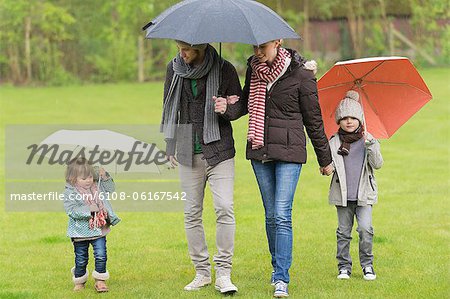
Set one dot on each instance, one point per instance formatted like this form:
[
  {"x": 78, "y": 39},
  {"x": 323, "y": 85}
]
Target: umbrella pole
[
  {"x": 364, "y": 116},
  {"x": 219, "y": 91}
]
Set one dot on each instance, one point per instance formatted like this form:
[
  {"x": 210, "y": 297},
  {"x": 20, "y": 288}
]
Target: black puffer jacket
[
  {"x": 192, "y": 111},
  {"x": 291, "y": 105}
]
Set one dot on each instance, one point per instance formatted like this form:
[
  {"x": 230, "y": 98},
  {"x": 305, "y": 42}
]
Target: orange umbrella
[{"x": 390, "y": 88}]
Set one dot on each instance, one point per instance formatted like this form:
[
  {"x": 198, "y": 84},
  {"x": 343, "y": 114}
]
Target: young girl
[
  {"x": 90, "y": 216},
  {"x": 353, "y": 189}
]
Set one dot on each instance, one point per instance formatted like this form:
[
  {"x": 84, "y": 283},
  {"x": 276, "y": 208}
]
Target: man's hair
[{"x": 200, "y": 47}]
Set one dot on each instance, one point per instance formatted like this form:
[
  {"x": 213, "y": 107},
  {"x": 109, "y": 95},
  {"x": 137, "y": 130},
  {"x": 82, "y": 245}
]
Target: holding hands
[
  {"x": 221, "y": 103},
  {"x": 327, "y": 170}
]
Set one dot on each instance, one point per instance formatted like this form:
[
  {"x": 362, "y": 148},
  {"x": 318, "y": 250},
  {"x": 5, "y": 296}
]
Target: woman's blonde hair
[{"x": 78, "y": 167}]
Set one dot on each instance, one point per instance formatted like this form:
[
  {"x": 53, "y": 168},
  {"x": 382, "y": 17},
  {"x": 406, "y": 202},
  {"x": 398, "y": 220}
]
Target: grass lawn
[{"x": 147, "y": 252}]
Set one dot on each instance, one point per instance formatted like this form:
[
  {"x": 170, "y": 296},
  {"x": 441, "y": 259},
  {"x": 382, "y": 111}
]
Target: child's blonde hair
[{"x": 78, "y": 167}]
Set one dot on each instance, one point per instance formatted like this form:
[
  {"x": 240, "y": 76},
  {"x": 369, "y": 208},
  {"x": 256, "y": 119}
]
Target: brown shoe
[
  {"x": 79, "y": 282},
  {"x": 100, "y": 286},
  {"x": 78, "y": 287}
]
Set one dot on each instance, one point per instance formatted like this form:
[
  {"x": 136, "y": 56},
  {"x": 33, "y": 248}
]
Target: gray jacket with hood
[{"x": 368, "y": 190}]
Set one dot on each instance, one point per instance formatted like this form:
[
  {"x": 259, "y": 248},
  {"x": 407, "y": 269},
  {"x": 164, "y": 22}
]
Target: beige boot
[
  {"x": 79, "y": 281},
  {"x": 100, "y": 284}
]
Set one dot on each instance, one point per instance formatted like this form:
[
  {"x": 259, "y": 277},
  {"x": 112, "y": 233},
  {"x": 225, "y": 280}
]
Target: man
[{"x": 205, "y": 155}]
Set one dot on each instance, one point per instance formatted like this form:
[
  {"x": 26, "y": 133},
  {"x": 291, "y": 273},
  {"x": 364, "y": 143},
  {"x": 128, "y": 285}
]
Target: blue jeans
[
  {"x": 277, "y": 183},
  {"x": 81, "y": 249}
]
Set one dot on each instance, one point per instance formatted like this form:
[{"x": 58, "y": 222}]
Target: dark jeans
[{"x": 81, "y": 250}]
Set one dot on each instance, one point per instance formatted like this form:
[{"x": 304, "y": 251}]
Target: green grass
[{"x": 148, "y": 255}]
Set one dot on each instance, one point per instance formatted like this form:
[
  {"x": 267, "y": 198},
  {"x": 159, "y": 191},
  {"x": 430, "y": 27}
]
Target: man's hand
[
  {"x": 173, "y": 161},
  {"x": 220, "y": 105},
  {"x": 327, "y": 170}
]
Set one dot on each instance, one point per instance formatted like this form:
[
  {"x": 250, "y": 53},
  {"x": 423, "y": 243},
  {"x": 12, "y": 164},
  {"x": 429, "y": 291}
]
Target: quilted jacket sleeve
[
  {"x": 312, "y": 118},
  {"x": 75, "y": 207}
]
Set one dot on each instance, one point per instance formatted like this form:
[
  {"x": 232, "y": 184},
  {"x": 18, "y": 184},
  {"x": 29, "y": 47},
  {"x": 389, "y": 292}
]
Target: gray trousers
[
  {"x": 346, "y": 217},
  {"x": 221, "y": 182}
]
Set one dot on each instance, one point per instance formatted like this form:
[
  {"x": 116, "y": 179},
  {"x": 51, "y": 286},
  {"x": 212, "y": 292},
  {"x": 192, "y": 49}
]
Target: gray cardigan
[
  {"x": 368, "y": 190},
  {"x": 192, "y": 110}
]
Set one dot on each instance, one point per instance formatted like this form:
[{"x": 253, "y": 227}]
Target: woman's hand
[{"x": 327, "y": 170}]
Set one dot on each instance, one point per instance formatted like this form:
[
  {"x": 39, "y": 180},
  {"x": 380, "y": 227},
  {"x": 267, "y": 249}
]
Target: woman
[{"x": 280, "y": 95}]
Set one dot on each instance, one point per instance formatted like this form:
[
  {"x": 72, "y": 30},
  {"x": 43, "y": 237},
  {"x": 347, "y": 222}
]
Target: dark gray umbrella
[
  {"x": 224, "y": 21},
  {"x": 207, "y": 21}
]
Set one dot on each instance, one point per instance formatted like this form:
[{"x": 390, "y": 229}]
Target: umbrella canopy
[
  {"x": 207, "y": 21},
  {"x": 105, "y": 141},
  {"x": 390, "y": 88}
]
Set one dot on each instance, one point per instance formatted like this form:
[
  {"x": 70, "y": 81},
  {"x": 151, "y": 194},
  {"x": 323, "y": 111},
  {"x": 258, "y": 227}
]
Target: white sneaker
[
  {"x": 343, "y": 274},
  {"x": 198, "y": 282},
  {"x": 369, "y": 273},
  {"x": 281, "y": 289},
  {"x": 225, "y": 286}
]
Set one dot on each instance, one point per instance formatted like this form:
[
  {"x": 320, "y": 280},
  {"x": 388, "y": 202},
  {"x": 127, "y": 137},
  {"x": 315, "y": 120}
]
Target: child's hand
[
  {"x": 102, "y": 173},
  {"x": 369, "y": 142}
]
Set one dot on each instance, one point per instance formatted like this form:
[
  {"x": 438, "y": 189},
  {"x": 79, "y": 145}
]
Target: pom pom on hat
[
  {"x": 352, "y": 94},
  {"x": 349, "y": 107}
]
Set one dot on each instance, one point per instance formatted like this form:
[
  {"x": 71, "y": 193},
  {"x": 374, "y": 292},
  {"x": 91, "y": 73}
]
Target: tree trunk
[
  {"x": 141, "y": 59},
  {"x": 360, "y": 29},
  {"x": 16, "y": 73},
  {"x": 355, "y": 24},
  {"x": 306, "y": 34},
  {"x": 28, "y": 48}
]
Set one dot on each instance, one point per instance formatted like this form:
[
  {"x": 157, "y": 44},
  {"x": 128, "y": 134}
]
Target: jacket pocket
[
  {"x": 371, "y": 183},
  {"x": 332, "y": 179},
  {"x": 277, "y": 135},
  {"x": 334, "y": 195}
]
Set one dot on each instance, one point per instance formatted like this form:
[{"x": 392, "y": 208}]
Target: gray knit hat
[{"x": 349, "y": 106}]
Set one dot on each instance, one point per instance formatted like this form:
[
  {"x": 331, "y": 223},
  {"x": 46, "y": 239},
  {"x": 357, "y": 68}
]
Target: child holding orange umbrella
[{"x": 353, "y": 189}]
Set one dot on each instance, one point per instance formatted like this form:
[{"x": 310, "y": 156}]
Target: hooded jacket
[
  {"x": 368, "y": 190},
  {"x": 79, "y": 212},
  {"x": 291, "y": 105}
]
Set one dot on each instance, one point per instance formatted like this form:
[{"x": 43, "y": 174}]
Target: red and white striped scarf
[
  {"x": 90, "y": 197},
  {"x": 262, "y": 74}
]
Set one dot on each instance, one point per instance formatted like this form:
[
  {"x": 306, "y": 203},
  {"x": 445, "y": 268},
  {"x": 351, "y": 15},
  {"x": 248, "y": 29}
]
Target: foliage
[{"x": 58, "y": 42}]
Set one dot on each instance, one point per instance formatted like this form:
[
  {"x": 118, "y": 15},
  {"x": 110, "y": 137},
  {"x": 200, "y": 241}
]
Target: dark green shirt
[{"x": 197, "y": 145}]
